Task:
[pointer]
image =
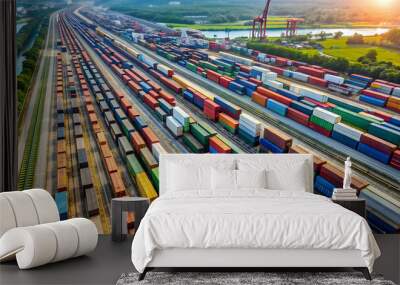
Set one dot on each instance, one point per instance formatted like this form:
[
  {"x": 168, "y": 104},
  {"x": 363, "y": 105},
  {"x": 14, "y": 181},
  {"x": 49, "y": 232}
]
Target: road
[
  {"x": 33, "y": 97},
  {"x": 43, "y": 157}
]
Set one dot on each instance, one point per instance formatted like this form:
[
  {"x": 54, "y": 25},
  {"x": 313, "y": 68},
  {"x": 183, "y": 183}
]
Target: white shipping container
[
  {"x": 274, "y": 84},
  {"x": 165, "y": 70},
  {"x": 157, "y": 149},
  {"x": 235, "y": 58},
  {"x": 348, "y": 131},
  {"x": 181, "y": 116},
  {"x": 313, "y": 94},
  {"x": 396, "y": 92},
  {"x": 300, "y": 76},
  {"x": 334, "y": 79},
  {"x": 250, "y": 122},
  {"x": 174, "y": 126},
  {"x": 326, "y": 115},
  {"x": 272, "y": 59}
]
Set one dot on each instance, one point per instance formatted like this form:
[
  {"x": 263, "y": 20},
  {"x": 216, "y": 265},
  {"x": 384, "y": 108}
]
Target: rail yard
[{"x": 123, "y": 94}]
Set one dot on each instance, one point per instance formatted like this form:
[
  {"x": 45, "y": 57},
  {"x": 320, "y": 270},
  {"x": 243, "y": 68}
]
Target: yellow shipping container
[
  {"x": 187, "y": 83},
  {"x": 146, "y": 189}
]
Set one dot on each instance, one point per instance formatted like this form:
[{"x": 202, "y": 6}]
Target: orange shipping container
[
  {"x": 134, "y": 86},
  {"x": 93, "y": 118},
  {"x": 137, "y": 141},
  {"x": 111, "y": 165},
  {"x": 132, "y": 113},
  {"x": 117, "y": 184},
  {"x": 101, "y": 138},
  {"x": 226, "y": 119},
  {"x": 90, "y": 109},
  {"x": 105, "y": 151},
  {"x": 126, "y": 104},
  {"x": 96, "y": 128},
  {"x": 149, "y": 136},
  {"x": 61, "y": 146},
  {"x": 259, "y": 99},
  {"x": 62, "y": 179},
  {"x": 61, "y": 160}
]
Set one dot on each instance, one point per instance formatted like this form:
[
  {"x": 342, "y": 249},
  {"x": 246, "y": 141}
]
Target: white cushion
[
  {"x": 45, "y": 206},
  {"x": 87, "y": 235},
  {"x": 23, "y": 208},
  {"x": 188, "y": 176},
  {"x": 223, "y": 179},
  {"x": 289, "y": 175},
  {"x": 7, "y": 218},
  {"x": 256, "y": 179}
]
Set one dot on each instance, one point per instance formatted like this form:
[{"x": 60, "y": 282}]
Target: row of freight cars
[
  {"x": 129, "y": 131},
  {"x": 357, "y": 128},
  {"x": 86, "y": 187},
  {"x": 87, "y": 190},
  {"x": 378, "y": 93},
  {"x": 197, "y": 137},
  {"x": 327, "y": 175}
]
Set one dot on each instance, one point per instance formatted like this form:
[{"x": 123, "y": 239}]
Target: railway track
[{"x": 31, "y": 150}]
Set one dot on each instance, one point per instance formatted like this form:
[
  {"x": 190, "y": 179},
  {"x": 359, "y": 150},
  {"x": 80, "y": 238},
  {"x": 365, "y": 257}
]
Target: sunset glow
[{"x": 385, "y": 3}]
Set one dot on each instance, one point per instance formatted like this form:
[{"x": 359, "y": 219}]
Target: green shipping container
[
  {"x": 345, "y": 105},
  {"x": 148, "y": 159},
  {"x": 231, "y": 145},
  {"x": 200, "y": 134},
  {"x": 353, "y": 118},
  {"x": 385, "y": 133},
  {"x": 228, "y": 128},
  {"x": 191, "y": 66},
  {"x": 133, "y": 165},
  {"x": 322, "y": 123},
  {"x": 191, "y": 142},
  {"x": 155, "y": 178}
]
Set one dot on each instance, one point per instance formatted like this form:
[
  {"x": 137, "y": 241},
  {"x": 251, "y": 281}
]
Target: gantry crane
[
  {"x": 291, "y": 26},
  {"x": 260, "y": 24}
]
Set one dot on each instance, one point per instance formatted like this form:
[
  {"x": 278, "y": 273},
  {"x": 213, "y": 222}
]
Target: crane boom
[{"x": 260, "y": 23}]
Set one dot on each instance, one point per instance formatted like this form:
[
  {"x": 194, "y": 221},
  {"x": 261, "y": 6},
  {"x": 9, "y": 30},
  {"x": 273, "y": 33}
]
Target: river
[
  {"x": 20, "y": 56},
  {"x": 278, "y": 32}
]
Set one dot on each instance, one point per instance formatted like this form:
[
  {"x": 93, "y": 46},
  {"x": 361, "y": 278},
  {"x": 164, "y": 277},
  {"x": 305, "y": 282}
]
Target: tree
[
  {"x": 372, "y": 54},
  {"x": 393, "y": 36},
  {"x": 355, "y": 39},
  {"x": 338, "y": 35}
]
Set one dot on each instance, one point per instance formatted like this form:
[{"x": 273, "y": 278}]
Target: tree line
[{"x": 379, "y": 70}]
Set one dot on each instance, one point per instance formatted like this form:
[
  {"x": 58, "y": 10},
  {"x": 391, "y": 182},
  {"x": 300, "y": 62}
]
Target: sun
[{"x": 384, "y": 3}]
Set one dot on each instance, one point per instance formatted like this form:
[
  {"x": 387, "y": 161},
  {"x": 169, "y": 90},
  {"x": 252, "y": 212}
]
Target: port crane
[
  {"x": 291, "y": 26},
  {"x": 260, "y": 24}
]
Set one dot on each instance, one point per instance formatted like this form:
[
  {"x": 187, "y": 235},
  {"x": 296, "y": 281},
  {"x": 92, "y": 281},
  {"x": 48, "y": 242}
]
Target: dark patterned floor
[{"x": 243, "y": 278}]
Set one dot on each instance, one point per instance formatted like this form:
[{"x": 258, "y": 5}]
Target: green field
[{"x": 339, "y": 48}]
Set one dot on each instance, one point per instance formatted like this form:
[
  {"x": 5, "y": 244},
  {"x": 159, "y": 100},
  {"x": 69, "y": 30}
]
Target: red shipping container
[
  {"x": 378, "y": 143},
  {"x": 149, "y": 136},
  {"x": 297, "y": 116},
  {"x": 281, "y": 61},
  {"x": 219, "y": 145},
  {"x": 381, "y": 114},
  {"x": 132, "y": 75},
  {"x": 317, "y": 81},
  {"x": 126, "y": 104},
  {"x": 132, "y": 113},
  {"x": 150, "y": 101},
  {"x": 171, "y": 84},
  {"x": 255, "y": 81},
  {"x": 259, "y": 99},
  {"x": 273, "y": 95},
  {"x": 211, "y": 109},
  {"x": 126, "y": 79},
  {"x": 212, "y": 75},
  {"x": 224, "y": 81},
  {"x": 278, "y": 138},
  {"x": 154, "y": 85},
  {"x": 154, "y": 94},
  {"x": 311, "y": 71},
  {"x": 335, "y": 175},
  {"x": 167, "y": 97},
  {"x": 375, "y": 94},
  {"x": 319, "y": 129},
  {"x": 319, "y": 104},
  {"x": 134, "y": 86},
  {"x": 140, "y": 74},
  {"x": 245, "y": 68},
  {"x": 200, "y": 69},
  {"x": 277, "y": 70}
]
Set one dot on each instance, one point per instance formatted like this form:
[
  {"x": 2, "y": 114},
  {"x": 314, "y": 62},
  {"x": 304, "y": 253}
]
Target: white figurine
[{"x": 347, "y": 174}]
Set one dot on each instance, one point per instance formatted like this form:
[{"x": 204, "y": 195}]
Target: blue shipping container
[
  {"x": 270, "y": 146},
  {"x": 61, "y": 199},
  {"x": 139, "y": 123},
  {"x": 302, "y": 107},
  {"x": 236, "y": 87},
  {"x": 323, "y": 186},
  {"x": 372, "y": 101},
  {"x": 344, "y": 139},
  {"x": 277, "y": 107},
  {"x": 371, "y": 152}
]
